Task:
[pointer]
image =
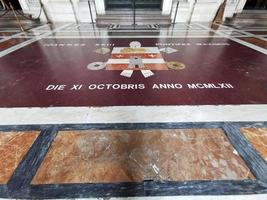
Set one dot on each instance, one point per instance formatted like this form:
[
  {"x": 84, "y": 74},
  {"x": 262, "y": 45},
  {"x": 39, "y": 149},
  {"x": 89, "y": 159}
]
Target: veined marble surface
[
  {"x": 258, "y": 138},
  {"x": 13, "y": 147},
  {"x": 106, "y": 156}
]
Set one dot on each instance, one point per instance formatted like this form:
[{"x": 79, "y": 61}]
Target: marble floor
[{"x": 174, "y": 113}]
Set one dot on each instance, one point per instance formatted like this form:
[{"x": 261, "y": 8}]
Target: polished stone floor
[
  {"x": 13, "y": 147},
  {"x": 126, "y": 156},
  {"x": 91, "y": 112}
]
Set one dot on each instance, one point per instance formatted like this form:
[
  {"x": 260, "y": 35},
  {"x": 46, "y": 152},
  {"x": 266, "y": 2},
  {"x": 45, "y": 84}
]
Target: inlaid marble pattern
[
  {"x": 13, "y": 147},
  {"x": 24, "y": 67},
  {"x": 255, "y": 41},
  {"x": 11, "y": 42},
  {"x": 258, "y": 138},
  {"x": 102, "y": 156}
]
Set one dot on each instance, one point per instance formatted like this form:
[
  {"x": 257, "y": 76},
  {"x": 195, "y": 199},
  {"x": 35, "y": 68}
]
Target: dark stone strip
[
  {"x": 3, "y": 191},
  {"x": 115, "y": 126},
  {"x": 27, "y": 168},
  {"x": 130, "y": 126},
  {"x": 29, "y": 127},
  {"x": 250, "y": 124},
  {"x": 136, "y": 126},
  {"x": 178, "y": 125},
  {"x": 86, "y": 190},
  {"x": 220, "y": 187},
  {"x": 254, "y": 161},
  {"x": 147, "y": 188}
]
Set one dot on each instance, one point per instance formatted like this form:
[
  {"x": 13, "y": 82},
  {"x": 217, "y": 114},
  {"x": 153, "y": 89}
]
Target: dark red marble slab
[
  {"x": 26, "y": 73},
  {"x": 258, "y": 32}
]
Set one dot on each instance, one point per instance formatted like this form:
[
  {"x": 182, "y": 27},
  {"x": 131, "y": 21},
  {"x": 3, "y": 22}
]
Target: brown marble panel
[
  {"x": 258, "y": 138},
  {"x": 2, "y": 34},
  {"x": 13, "y": 147},
  {"x": 96, "y": 156},
  {"x": 11, "y": 42},
  {"x": 255, "y": 41}
]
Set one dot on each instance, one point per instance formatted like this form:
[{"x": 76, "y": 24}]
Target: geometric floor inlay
[
  {"x": 108, "y": 156},
  {"x": 69, "y": 157},
  {"x": 166, "y": 78},
  {"x": 258, "y": 138},
  {"x": 13, "y": 147}
]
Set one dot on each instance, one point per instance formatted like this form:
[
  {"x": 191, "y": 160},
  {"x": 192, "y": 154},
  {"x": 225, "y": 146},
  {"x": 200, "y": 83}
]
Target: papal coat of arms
[{"x": 136, "y": 58}]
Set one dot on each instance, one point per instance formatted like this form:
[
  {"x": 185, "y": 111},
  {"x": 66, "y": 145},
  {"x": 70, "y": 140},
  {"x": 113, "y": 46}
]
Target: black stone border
[
  {"x": 132, "y": 126},
  {"x": 19, "y": 185},
  {"x": 254, "y": 161},
  {"x": 146, "y": 188},
  {"x": 4, "y": 191},
  {"x": 29, "y": 165}
]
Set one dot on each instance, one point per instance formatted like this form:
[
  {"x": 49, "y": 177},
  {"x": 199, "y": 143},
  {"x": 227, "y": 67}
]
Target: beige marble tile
[
  {"x": 13, "y": 147},
  {"x": 96, "y": 156},
  {"x": 258, "y": 138}
]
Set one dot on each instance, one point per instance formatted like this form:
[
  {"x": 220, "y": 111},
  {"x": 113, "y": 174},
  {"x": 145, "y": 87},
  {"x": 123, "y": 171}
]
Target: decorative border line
[
  {"x": 128, "y": 31},
  {"x": 254, "y": 161},
  {"x": 233, "y": 38},
  {"x": 19, "y": 186},
  {"x": 131, "y": 126},
  {"x": 241, "y": 31},
  {"x": 34, "y": 39},
  {"x": 27, "y": 168},
  {"x": 177, "y": 27},
  {"x": 218, "y": 34},
  {"x": 21, "y": 33},
  {"x": 135, "y": 31},
  {"x": 134, "y": 36},
  {"x": 146, "y": 188},
  {"x": 4, "y": 193},
  {"x": 128, "y": 36}
]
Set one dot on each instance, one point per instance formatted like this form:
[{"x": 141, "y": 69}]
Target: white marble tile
[{"x": 133, "y": 114}]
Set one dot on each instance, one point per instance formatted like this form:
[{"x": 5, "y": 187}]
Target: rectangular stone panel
[
  {"x": 6, "y": 34},
  {"x": 236, "y": 76},
  {"x": 13, "y": 147},
  {"x": 258, "y": 138},
  {"x": 108, "y": 156}
]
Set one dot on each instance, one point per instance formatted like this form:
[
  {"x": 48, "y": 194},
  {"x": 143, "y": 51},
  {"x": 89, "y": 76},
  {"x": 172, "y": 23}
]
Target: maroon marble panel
[
  {"x": 258, "y": 32},
  {"x": 26, "y": 73}
]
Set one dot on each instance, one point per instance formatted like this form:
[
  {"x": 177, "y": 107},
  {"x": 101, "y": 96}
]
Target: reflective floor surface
[{"x": 91, "y": 112}]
